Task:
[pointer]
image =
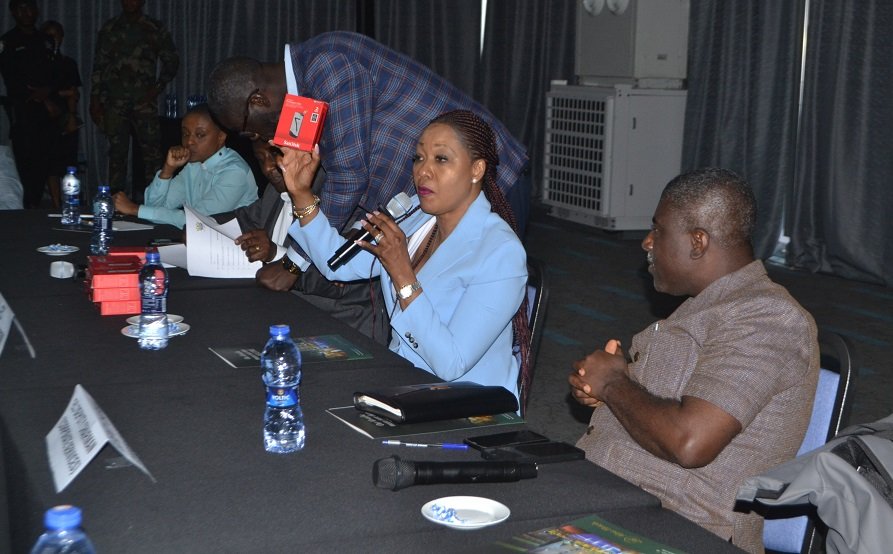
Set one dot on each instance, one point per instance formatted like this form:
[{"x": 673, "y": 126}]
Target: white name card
[
  {"x": 6, "y": 317},
  {"x": 78, "y": 437}
]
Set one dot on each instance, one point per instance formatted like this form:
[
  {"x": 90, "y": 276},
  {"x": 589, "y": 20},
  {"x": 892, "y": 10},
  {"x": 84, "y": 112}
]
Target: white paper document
[
  {"x": 120, "y": 225},
  {"x": 210, "y": 250},
  {"x": 173, "y": 255},
  {"x": 79, "y": 435}
]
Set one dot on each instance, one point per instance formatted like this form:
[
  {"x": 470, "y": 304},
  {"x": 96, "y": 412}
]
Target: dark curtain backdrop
[
  {"x": 205, "y": 32},
  {"x": 445, "y": 36},
  {"x": 743, "y": 84},
  {"x": 527, "y": 44},
  {"x": 842, "y": 201}
]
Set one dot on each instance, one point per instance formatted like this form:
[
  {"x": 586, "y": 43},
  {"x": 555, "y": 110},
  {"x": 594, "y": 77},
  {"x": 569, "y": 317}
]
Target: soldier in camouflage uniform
[{"x": 125, "y": 85}]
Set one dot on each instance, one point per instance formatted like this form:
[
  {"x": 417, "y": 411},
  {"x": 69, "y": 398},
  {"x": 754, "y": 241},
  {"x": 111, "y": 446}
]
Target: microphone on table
[
  {"x": 395, "y": 474},
  {"x": 399, "y": 208}
]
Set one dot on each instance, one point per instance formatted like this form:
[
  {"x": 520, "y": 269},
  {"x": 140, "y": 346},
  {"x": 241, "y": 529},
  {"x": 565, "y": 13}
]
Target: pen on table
[
  {"x": 83, "y": 216},
  {"x": 445, "y": 445}
]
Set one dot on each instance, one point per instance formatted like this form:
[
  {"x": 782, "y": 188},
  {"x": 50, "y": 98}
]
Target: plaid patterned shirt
[{"x": 379, "y": 103}]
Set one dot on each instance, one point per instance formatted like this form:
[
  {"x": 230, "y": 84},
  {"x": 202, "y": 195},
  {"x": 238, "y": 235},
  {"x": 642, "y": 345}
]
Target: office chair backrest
[
  {"x": 829, "y": 411},
  {"x": 537, "y": 300}
]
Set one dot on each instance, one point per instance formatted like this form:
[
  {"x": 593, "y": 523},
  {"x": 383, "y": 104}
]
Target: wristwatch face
[{"x": 407, "y": 290}]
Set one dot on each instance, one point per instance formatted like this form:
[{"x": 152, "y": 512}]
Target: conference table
[{"x": 195, "y": 423}]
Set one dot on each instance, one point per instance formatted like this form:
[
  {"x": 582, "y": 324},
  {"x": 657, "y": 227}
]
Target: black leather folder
[{"x": 436, "y": 401}]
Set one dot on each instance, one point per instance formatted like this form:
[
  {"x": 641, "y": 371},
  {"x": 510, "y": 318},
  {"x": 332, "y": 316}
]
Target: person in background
[
  {"x": 264, "y": 222},
  {"x": 720, "y": 390},
  {"x": 454, "y": 281},
  {"x": 135, "y": 59},
  {"x": 62, "y": 105},
  {"x": 202, "y": 173},
  {"x": 265, "y": 238},
  {"x": 27, "y": 69},
  {"x": 379, "y": 103}
]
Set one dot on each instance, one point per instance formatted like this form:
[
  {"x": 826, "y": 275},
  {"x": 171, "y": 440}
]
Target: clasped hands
[{"x": 594, "y": 373}]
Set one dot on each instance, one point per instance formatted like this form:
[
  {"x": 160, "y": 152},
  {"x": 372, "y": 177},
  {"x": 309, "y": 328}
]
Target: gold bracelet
[{"x": 304, "y": 212}]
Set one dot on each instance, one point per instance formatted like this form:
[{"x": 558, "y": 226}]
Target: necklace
[{"x": 421, "y": 256}]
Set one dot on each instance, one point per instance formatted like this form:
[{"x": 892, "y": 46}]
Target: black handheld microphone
[
  {"x": 395, "y": 474},
  {"x": 400, "y": 207}
]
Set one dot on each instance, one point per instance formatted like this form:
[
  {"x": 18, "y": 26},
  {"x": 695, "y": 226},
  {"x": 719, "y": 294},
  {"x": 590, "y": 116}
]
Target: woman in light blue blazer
[{"x": 453, "y": 276}]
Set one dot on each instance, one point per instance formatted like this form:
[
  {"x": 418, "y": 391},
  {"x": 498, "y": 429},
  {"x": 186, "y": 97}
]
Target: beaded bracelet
[{"x": 304, "y": 212}]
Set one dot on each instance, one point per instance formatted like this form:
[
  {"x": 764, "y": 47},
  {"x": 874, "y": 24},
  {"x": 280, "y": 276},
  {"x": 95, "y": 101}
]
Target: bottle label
[
  {"x": 102, "y": 224},
  {"x": 71, "y": 187},
  {"x": 153, "y": 304},
  {"x": 281, "y": 397}
]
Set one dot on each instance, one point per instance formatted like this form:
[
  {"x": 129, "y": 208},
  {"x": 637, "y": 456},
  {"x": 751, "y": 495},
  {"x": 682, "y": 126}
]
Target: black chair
[
  {"x": 830, "y": 413},
  {"x": 537, "y": 301}
]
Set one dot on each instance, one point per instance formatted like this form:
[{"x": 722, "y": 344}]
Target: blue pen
[{"x": 445, "y": 445}]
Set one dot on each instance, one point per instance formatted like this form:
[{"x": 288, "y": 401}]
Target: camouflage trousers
[{"x": 121, "y": 120}]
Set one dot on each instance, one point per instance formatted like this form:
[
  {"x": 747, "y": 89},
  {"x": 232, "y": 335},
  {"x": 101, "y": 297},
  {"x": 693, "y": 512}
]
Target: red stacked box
[
  {"x": 138, "y": 251},
  {"x": 113, "y": 282}
]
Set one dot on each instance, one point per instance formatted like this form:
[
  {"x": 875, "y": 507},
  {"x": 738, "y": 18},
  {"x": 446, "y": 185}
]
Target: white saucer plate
[
  {"x": 57, "y": 249},
  {"x": 465, "y": 512},
  {"x": 171, "y": 318},
  {"x": 174, "y": 329}
]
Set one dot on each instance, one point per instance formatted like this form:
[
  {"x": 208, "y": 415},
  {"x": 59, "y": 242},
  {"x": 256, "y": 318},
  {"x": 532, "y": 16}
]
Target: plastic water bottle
[
  {"x": 283, "y": 418},
  {"x": 103, "y": 213},
  {"x": 153, "y": 326},
  {"x": 63, "y": 534},
  {"x": 71, "y": 198}
]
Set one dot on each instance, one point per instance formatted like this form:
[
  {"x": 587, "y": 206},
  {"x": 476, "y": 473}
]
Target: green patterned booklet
[
  {"x": 324, "y": 348},
  {"x": 378, "y": 427},
  {"x": 590, "y": 534}
]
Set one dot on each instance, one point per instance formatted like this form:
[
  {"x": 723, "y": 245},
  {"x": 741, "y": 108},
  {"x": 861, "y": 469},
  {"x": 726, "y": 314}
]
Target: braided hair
[{"x": 478, "y": 138}]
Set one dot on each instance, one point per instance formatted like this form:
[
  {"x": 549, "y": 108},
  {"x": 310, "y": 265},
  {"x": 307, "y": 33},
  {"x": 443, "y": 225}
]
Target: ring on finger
[{"x": 378, "y": 237}]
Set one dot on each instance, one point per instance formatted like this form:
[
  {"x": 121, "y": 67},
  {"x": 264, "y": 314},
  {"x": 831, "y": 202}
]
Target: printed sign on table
[{"x": 78, "y": 437}]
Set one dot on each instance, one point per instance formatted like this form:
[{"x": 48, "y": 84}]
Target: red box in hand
[{"x": 300, "y": 122}]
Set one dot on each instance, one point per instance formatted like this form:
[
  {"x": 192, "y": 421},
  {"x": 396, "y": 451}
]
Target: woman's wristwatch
[
  {"x": 290, "y": 266},
  {"x": 404, "y": 292}
]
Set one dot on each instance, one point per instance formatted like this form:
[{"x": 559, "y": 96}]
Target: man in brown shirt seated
[{"x": 720, "y": 390}]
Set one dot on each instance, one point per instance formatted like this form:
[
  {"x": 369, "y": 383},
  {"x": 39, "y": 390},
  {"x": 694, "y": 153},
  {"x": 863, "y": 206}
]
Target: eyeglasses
[{"x": 250, "y": 135}]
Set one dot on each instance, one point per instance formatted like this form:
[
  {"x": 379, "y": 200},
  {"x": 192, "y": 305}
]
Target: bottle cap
[
  {"x": 279, "y": 330},
  {"x": 152, "y": 256},
  {"x": 71, "y": 169},
  {"x": 62, "y": 517},
  {"x": 103, "y": 188}
]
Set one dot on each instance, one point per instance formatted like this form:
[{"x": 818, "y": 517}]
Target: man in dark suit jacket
[{"x": 265, "y": 238}]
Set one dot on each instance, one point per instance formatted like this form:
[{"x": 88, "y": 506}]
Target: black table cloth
[{"x": 196, "y": 423}]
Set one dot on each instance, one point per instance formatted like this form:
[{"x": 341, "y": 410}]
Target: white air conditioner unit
[
  {"x": 642, "y": 42},
  {"x": 609, "y": 152}
]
